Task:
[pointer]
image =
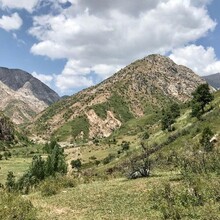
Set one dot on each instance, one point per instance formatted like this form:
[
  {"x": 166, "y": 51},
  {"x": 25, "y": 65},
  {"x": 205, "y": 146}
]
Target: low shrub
[{"x": 50, "y": 187}]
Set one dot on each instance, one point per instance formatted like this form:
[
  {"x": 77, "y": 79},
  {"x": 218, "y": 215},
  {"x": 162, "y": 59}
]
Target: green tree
[
  {"x": 201, "y": 97},
  {"x": 37, "y": 168},
  {"x": 175, "y": 110},
  {"x": 205, "y": 140},
  {"x": 167, "y": 121}
]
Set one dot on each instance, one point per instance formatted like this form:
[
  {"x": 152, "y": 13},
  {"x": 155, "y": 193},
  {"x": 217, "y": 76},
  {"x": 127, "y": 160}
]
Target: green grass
[
  {"x": 16, "y": 164},
  {"x": 120, "y": 108},
  {"x": 73, "y": 128},
  {"x": 101, "y": 110},
  {"x": 113, "y": 199}
]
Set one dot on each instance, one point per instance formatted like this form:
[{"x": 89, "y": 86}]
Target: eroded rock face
[{"x": 102, "y": 128}]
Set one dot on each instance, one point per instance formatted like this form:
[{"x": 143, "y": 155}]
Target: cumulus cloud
[
  {"x": 19, "y": 4},
  {"x": 74, "y": 76},
  {"x": 13, "y": 22},
  {"x": 106, "y": 35},
  {"x": 47, "y": 79},
  {"x": 202, "y": 60}
]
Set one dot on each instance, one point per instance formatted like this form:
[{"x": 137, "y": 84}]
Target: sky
[{"x": 74, "y": 44}]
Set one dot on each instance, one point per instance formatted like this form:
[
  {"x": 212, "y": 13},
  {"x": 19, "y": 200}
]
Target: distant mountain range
[
  {"x": 22, "y": 95},
  {"x": 142, "y": 88},
  {"x": 213, "y": 80}
]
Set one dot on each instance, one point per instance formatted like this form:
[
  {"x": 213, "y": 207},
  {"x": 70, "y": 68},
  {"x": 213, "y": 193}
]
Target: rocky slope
[
  {"x": 6, "y": 128},
  {"x": 141, "y": 88},
  {"x": 213, "y": 80},
  {"x": 22, "y": 95}
]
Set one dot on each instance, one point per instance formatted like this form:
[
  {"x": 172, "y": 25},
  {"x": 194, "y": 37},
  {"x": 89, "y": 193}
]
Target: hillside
[
  {"x": 142, "y": 88},
  {"x": 22, "y": 95},
  {"x": 213, "y": 80},
  {"x": 183, "y": 182},
  {"x": 6, "y": 129}
]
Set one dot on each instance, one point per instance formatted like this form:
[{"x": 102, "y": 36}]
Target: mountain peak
[
  {"x": 143, "y": 87},
  {"x": 22, "y": 95}
]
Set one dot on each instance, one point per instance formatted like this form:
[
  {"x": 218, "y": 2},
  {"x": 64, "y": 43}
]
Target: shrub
[
  {"x": 50, "y": 187},
  {"x": 206, "y": 139},
  {"x": 108, "y": 159},
  {"x": 76, "y": 164},
  {"x": 125, "y": 145},
  {"x": 145, "y": 136}
]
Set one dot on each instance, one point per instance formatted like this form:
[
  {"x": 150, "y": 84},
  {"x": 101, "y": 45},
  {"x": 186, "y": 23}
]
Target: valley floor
[{"x": 111, "y": 199}]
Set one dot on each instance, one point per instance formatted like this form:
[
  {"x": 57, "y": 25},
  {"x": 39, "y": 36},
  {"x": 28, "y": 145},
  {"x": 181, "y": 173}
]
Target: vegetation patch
[{"x": 74, "y": 129}]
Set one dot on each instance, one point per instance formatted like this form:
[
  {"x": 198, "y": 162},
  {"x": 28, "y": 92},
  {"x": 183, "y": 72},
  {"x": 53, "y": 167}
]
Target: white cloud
[
  {"x": 202, "y": 60},
  {"x": 13, "y": 22},
  {"x": 74, "y": 76},
  {"x": 105, "y": 36},
  {"x": 47, "y": 79},
  {"x": 19, "y": 4}
]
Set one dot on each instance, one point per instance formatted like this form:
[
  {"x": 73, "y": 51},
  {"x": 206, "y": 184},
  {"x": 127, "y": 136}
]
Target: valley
[{"x": 153, "y": 165}]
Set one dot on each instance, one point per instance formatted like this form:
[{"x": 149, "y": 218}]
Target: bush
[
  {"x": 66, "y": 181},
  {"x": 108, "y": 159},
  {"x": 50, "y": 187},
  {"x": 145, "y": 136},
  {"x": 125, "y": 145},
  {"x": 76, "y": 164},
  {"x": 188, "y": 199}
]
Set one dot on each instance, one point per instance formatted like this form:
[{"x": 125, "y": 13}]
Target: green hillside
[{"x": 183, "y": 182}]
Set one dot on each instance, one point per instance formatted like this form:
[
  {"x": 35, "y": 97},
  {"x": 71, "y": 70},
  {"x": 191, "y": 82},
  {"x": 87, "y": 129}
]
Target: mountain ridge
[
  {"x": 22, "y": 95},
  {"x": 143, "y": 87},
  {"x": 213, "y": 80}
]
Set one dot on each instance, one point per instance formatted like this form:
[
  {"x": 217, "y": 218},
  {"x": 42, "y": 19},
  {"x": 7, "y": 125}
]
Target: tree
[
  {"x": 205, "y": 141},
  {"x": 167, "y": 121},
  {"x": 141, "y": 167},
  {"x": 201, "y": 97},
  {"x": 175, "y": 110},
  {"x": 169, "y": 116}
]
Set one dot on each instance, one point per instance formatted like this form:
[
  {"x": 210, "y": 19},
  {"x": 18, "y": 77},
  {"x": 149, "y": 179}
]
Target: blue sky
[{"x": 73, "y": 44}]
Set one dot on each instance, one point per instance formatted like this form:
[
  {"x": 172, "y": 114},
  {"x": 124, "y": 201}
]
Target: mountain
[
  {"x": 22, "y": 95},
  {"x": 144, "y": 87},
  {"x": 213, "y": 80}
]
